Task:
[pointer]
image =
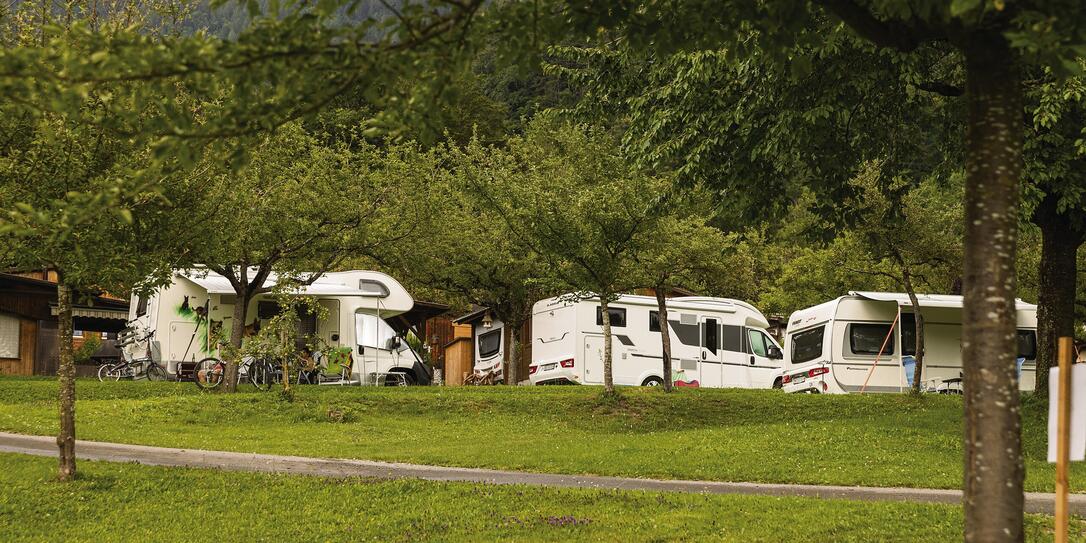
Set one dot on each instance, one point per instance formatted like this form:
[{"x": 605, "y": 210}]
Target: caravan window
[
  {"x": 867, "y": 339},
  {"x": 141, "y": 306},
  {"x": 490, "y": 343},
  {"x": 1027, "y": 344},
  {"x": 372, "y": 331},
  {"x": 618, "y": 316},
  {"x": 908, "y": 334},
  {"x": 807, "y": 345},
  {"x": 654, "y": 321},
  {"x": 710, "y": 335}
]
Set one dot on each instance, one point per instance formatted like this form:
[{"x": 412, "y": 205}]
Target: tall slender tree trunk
[
  {"x": 994, "y": 499},
  {"x": 66, "y": 376},
  {"x": 1061, "y": 236},
  {"x": 665, "y": 335},
  {"x": 608, "y": 380},
  {"x": 511, "y": 359},
  {"x": 237, "y": 333},
  {"x": 918, "y": 321}
]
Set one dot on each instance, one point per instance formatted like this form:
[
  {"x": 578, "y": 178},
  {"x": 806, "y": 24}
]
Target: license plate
[
  {"x": 549, "y": 367},
  {"x": 799, "y": 378}
]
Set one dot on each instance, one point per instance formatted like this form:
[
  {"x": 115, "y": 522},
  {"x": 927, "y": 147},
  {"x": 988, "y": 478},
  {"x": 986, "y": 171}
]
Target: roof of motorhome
[
  {"x": 925, "y": 300},
  {"x": 722, "y": 305},
  {"x": 329, "y": 284}
]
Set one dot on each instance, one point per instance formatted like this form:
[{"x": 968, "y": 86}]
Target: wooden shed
[{"x": 28, "y": 323}]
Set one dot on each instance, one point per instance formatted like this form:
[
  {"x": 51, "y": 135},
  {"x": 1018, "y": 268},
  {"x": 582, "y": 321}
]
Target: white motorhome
[
  {"x": 715, "y": 342},
  {"x": 357, "y": 304},
  {"x": 852, "y": 343}
]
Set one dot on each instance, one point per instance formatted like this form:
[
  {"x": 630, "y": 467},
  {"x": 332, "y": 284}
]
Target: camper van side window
[
  {"x": 711, "y": 335},
  {"x": 807, "y": 345},
  {"x": 489, "y": 343},
  {"x": 654, "y": 321},
  {"x": 908, "y": 334},
  {"x": 1027, "y": 344},
  {"x": 867, "y": 339},
  {"x": 618, "y": 316},
  {"x": 141, "y": 306}
]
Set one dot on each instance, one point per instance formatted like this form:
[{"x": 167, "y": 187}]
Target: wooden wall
[
  {"x": 459, "y": 355},
  {"x": 28, "y": 340}
]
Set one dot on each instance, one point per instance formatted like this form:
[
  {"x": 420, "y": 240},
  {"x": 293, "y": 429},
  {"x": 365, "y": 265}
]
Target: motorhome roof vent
[
  {"x": 372, "y": 287},
  {"x": 688, "y": 318}
]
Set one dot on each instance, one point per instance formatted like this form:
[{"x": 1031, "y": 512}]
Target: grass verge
[
  {"x": 127, "y": 502},
  {"x": 730, "y": 435}
]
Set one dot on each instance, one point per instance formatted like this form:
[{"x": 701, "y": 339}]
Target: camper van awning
[
  {"x": 324, "y": 286},
  {"x": 925, "y": 300}
]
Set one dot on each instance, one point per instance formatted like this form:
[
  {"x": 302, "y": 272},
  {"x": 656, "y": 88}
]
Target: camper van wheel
[
  {"x": 652, "y": 382},
  {"x": 777, "y": 384}
]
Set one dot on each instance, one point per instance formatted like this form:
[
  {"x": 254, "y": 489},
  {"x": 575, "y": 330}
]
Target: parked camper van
[
  {"x": 357, "y": 304},
  {"x": 715, "y": 342},
  {"x": 833, "y": 347}
]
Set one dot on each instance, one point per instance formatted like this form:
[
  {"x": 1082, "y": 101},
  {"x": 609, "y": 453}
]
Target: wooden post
[{"x": 1063, "y": 437}]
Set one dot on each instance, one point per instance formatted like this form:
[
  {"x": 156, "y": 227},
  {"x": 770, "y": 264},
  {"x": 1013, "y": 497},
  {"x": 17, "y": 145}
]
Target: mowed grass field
[
  {"x": 726, "y": 435},
  {"x": 127, "y": 502}
]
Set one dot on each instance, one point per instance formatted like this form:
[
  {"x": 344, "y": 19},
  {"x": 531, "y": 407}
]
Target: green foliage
[{"x": 90, "y": 346}]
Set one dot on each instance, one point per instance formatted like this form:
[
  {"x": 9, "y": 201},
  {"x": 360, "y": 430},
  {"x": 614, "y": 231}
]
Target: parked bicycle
[
  {"x": 131, "y": 367},
  {"x": 210, "y": 372}
]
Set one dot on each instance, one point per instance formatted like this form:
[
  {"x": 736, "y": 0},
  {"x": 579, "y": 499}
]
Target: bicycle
[
  {"x": 210, "y": 372},
  {"x": 132, "y": 367}
]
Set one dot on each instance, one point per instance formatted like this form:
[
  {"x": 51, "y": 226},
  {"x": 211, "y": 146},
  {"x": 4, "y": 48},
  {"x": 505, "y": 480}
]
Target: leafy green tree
[
  {"x": 567, "y": 194},
  {"x": 908, "y": 232},
  {"x": 463, "y": 247},
  {"x": 298, "y": 207},
  {"x": 682, "y": 250},
  {"x": 1055, "y": 155}
]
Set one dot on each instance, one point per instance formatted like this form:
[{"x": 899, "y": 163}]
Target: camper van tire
[
  {"x": 777, "y": 383},
  {"x": 652, "y": 382}
]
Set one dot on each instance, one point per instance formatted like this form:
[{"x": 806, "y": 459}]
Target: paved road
[{"x": 1036, "y": 502}]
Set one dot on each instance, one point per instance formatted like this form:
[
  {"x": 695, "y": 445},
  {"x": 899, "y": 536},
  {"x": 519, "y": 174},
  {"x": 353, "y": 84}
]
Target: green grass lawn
[
  {"x": 127, "y": 502},
  {"x": 731, "y": 435}
]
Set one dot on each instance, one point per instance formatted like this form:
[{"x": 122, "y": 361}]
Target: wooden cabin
[{"x": 28, "y": 322}]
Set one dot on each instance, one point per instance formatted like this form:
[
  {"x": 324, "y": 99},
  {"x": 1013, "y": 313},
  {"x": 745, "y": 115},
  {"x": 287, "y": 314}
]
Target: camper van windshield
[
  {"x": 807, "y": 345},
  {"x": 489, "y": 343}
]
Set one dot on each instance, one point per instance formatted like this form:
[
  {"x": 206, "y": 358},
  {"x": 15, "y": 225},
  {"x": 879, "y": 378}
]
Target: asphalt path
[{"x": 1036, "y": 502}]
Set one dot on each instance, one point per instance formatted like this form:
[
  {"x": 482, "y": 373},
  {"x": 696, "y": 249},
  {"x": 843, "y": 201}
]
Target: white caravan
[
  {"x": 356, "y": 303},
  {"x": 833, "y": 347},
  {"x": 489, "y": 348},
  {"x": 715, "y": 342}
]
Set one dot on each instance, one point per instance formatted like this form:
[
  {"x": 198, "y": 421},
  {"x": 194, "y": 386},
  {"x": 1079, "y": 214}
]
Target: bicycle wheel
[
  {"x": 260, "y": 374},
  {"x": 109, "y": 372},
  {"x": 209, "y": 373},
  {"x": 156, "y": 373}
]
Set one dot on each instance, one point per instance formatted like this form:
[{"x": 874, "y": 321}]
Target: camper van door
[
  {"x": 712, "y": 372},
  {"x": 762, "y": 368},
  {"x": 593, "y": 359}
]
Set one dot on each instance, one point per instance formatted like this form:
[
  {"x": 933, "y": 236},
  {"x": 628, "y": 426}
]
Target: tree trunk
[
  {"x": 918, "y": 321},
  {"x": 66, "y": 375},
  {"x": 608, "y": 381},
  {"x": 1060, "y": 240},
  {"x": 509, "y": 372},
  {"x": 237, "y": 333},
  {"x": 994, "y": 499},
  {"x": 665, "y": 335}
]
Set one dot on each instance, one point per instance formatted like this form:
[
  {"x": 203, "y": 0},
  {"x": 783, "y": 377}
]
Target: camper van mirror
[
  {"x": 775, "y": 353},
  {"x": 393, "y": 343}
]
